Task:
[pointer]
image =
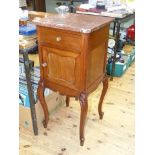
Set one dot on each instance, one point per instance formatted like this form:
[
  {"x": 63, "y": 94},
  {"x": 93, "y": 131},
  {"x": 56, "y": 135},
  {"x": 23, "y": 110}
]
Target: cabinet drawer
[{"x": 60, "y": 39}]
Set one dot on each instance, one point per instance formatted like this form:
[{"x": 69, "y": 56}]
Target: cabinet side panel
[
  {"x": 97, "y": 55},
  {"x": 98, "y": 37},
  {"x": 95, "y": 63}
]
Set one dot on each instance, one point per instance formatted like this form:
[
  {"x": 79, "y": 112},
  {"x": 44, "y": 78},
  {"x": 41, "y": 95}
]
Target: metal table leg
[
  {"x": 115, "y": 49},
  {"x": 30, "y": 91},
  {"x": 114, "y": 29},
  {"x": 33, "y": 5}
]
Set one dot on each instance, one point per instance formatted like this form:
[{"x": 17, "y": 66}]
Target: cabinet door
[{"x": 62, "y": 67}]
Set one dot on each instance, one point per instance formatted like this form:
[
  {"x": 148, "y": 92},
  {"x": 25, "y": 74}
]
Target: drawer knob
[
  {"x": 44, "y": 64},
  {"x": 58, "y": 39}
]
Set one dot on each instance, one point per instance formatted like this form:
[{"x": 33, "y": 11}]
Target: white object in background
[
  {"x": 23, "y": 14},
  {"x": 111, "y": 43},
  {"x": 20, "y": 13},
  {"x": 110, "y": 51},
  {"x": 22, "y": 3},
  {"x": 87, "y": 6},
  {"x": 62, "y": 9},
  {"x": 46, "y": 92},
  {"x": 124, "y": 68},
  {"x": 118, "y": 7},
  {"x": 109, "y": 3},
  {"x": 131, "y": 6},
  {"x": 101, "y": 3},
  {"x": 117, "y": 2},
  {"x": 92, "y": 2},
  {"x": 123, "y": 35},
  {"x": 122, "y": 52}
]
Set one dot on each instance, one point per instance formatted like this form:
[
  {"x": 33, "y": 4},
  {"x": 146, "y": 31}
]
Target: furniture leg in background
[
  {"x": 114, "y": 29},
  {"x": 39, "y": 5},
  {"x": 67, "y": 101},
  {"x": 117, "y": 24},
  {"x": 30, "y": 91}
]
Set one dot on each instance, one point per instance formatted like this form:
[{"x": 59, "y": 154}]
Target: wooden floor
[{"x": 114, "y": 135}]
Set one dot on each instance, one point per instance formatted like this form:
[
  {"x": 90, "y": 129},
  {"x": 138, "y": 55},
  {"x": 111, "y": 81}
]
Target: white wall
[{"x": 50, "y": 5}]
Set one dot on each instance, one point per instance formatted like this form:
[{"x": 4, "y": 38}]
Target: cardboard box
[
  {"x": 131, "y": 56},
  {"x": 128, "y": 49},
  {"x": 54, "y": 101}
]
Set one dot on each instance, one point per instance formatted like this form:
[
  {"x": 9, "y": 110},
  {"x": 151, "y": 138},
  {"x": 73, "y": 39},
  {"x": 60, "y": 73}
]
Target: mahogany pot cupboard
[{"x": 72, "y": 54}]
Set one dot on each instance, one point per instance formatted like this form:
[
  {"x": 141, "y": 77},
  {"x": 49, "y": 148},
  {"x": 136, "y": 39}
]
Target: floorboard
[{"x": 114, "y": 135}]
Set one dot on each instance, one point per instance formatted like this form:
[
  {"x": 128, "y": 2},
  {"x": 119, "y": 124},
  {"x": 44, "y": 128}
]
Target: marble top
[{"x": 74, "y": 22}]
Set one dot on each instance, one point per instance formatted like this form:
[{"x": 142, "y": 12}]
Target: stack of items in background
[
  {"x": 23, "y": 91},
  {"x": 126, "y": 52},
  {"x": 27, "y": 34},
  {"x": 28, "y": 41},
  {"x": 115, "y": 8},
  {"x": 53, "y": 99}
]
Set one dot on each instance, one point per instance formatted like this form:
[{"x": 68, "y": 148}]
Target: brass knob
[
  {"x": 58, "y": 39},
  {"x": 44, "y": 64}
]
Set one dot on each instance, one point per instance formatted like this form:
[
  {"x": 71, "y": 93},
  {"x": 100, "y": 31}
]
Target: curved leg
[
  {"x": 104, "y": 90},
  {"x": 76, "y": 98},
  {"x": 40, "y": 93},
  {"x": 67, "y": 101},
  {"x": 84, "y": 108}
]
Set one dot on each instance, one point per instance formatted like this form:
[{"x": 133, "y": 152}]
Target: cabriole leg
[
  {"x": 84, "y": 109},
  {"x": 104, "y": 90},
  {"x": 67, "y": 101},
  {"x": 41, "y": 98}
]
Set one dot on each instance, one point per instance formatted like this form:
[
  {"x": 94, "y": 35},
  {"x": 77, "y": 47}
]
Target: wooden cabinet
[{"x": 73, "y": 59}]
